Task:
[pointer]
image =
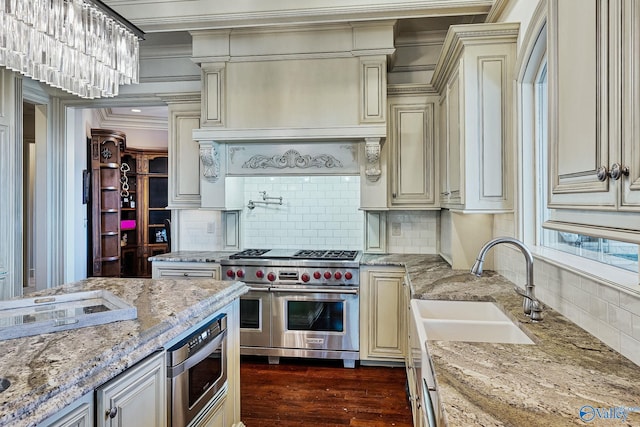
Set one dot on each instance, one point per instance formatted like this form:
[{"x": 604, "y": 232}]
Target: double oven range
[{"x": 301, "y": 303}]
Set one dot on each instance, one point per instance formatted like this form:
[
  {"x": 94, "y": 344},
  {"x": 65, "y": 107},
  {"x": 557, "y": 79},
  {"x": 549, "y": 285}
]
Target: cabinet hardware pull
[
  {"x": 186, "y": 274},
  {"x": 111, "y": 413},
  {"x": 602, "y": 173},
  {"x": 616, "y": 172}
]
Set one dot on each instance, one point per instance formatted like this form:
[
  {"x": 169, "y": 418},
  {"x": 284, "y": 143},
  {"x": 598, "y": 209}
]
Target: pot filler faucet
[{"x": 532, "y": 307}]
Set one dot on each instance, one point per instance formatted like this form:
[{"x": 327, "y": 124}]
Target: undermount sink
[{"x": 470, "y": 321}]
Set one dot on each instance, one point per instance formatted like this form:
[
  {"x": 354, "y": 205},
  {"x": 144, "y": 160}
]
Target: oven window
[
  {"x": 315, "y": 316},
  {"x": 204, "y": 375},
  {"x": 250, "y": 313}
]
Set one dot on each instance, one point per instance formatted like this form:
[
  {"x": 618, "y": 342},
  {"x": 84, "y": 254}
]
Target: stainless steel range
[{"x": 301, "y": 303}]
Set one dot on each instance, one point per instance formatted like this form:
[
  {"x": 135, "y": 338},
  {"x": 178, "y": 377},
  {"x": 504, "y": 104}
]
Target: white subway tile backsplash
[
  {"x": 417, "y": 232},
  {"x": 630, "y": 347},
  {"x": 316, "y": 212},
  {"x": 619, "y": 319}
]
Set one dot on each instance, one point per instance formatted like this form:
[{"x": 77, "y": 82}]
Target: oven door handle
[
  {"x": 197, "y": 357},
  {"x": 349, "y": 291},
  {"x": 254, "y": 289}
]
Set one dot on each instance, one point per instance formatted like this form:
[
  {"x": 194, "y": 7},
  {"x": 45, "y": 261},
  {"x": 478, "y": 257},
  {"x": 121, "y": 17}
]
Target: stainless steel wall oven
[
  {"x": 300, "y": 303},
  {"x": 196, "y": 371}
]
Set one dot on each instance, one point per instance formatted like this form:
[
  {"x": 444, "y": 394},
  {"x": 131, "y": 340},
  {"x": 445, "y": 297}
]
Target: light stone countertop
[
  {"x": 193, "y": 256},
  {"x": 484, "y": 384},
  {"x": 50, "y": 371}
]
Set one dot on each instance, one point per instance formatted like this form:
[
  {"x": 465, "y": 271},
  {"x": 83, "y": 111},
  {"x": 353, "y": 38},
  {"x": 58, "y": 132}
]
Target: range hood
[{"x": 279, "y": 151}]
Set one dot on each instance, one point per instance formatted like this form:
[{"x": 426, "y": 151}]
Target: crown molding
[{"x": 138, "y": 13}]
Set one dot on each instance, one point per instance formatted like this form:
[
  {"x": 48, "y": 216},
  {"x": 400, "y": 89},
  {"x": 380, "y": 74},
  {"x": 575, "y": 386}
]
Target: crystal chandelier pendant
[{"x": 79, "y": 46}]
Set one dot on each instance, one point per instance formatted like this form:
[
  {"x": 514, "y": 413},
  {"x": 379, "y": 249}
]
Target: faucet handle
[{"x": 536, "y": 311}]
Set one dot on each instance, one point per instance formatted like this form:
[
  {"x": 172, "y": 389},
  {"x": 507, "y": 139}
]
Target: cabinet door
[
  {"x": 184, "y": 155},
  {"x": 453, "y": 140},
  {"x": 136, "y": 397},
  {"x": 382, "y": 315},
  {"x": 412, "y": 152},
  {"x": 579, "y": 131},
  {"x": 77, "y": 414},
  {"x": 630, "y": 57}
]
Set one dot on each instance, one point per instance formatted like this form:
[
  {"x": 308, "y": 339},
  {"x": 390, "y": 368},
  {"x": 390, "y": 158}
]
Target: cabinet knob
[
  {"x": 185, "y": 274},
  {"x": 112, "y": 412},
  {"x": 393, "y": 195},
  {"x": 616, "y": 172}
]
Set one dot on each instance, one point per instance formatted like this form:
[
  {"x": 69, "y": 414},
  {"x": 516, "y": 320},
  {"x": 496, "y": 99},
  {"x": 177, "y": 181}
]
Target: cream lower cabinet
[
  {"x": 474, "y": 77},
  {"x": 412, "y": 150},
  {"x": 382, "y": 314},
  {"x": 78, "y": 414},
  {"x": 135, "y": 398},
  {"x": 185, "y": 270}
]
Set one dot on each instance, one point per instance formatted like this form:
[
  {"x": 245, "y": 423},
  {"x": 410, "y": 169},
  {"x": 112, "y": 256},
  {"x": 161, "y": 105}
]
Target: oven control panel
[{"x": 333, "y": 276}]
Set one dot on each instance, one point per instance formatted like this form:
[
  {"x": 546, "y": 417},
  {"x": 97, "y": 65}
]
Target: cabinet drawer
[
  {"x": 185, "y": 270},
  {"x": 187, "y": 274}
]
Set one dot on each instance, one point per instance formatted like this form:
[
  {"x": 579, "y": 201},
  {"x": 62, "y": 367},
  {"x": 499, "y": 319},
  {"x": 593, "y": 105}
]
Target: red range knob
[
  {"x": 305, "y": 277},
  {"x": 337, "y": 275},
  {"x": 327, "y": 275},
  {"x": 348, "y": 275},
  {"x": 271, "y": 277},
  {"x": 231, "y": 274},
  {"x": 240, "y": 273},
  {"x": 259, "y": 274},
  {"x": 317, "y": 275}
]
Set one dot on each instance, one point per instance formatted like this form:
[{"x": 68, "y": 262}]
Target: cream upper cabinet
[
  {"x": 474, "y": 77},
  {"x": 449, "y": 139},
  {"x": 579, "y": 99},
  {"x": 594, "y": 119},
  {"x": 411, "y": 139},
  {"x": 630, "y": 152},
  {"x": 184, "y": 154}
]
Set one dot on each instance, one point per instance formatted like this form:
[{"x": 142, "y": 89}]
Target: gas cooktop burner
[{"x": 305, "y": 254}]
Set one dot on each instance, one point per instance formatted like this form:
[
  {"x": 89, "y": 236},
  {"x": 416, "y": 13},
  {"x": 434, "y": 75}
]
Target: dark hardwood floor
[{"x": 307, "y": 392}]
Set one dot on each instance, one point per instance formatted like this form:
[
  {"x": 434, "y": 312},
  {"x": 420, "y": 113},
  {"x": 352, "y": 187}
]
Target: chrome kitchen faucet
[{"x": 532, "y": 307}]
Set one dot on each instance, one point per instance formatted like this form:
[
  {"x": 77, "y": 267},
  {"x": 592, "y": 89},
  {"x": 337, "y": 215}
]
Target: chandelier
[{"x": 80, "y": 46}]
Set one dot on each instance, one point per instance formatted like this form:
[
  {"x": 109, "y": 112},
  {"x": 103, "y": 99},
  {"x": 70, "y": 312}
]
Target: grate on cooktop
[
  {"x": 249, "y": 253},
  {"x": 322, "y": 254}
]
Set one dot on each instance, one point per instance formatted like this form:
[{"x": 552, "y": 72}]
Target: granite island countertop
[
  {"x": 50, "y": 371},
  {"x": 546, "y": 384}
]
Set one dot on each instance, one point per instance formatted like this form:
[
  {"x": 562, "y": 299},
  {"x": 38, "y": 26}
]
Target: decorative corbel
[
  {"x": 211, "y": 162},
  {"x": 372, "y": 148}
]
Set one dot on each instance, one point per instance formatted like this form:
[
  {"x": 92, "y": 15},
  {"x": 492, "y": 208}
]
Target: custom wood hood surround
[{"x": 292, "y": 100}]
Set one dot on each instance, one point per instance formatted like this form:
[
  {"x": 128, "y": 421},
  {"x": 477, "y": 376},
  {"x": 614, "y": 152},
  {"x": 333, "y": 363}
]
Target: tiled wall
[
  {"x": 414, "y": 232},
  {"x": 199, "y": 230},
  {"x": 316, "y": 212},
  {"x": 608, "y": 312}
]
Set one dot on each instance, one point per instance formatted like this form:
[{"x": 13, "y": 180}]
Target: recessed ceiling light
[{"x": 136, "y": 110}]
